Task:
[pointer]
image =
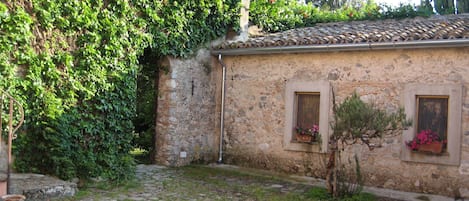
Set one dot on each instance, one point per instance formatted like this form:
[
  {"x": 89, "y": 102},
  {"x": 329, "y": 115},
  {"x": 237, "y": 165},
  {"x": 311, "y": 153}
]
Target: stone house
[{"x": 419, "y": 64}]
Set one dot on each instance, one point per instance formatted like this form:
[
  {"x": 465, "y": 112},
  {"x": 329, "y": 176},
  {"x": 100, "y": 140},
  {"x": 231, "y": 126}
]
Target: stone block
[
  {"x": 464, "y": 192},
  {"x": 3, "y": 162},
  {"x": 3, "y": 188}
]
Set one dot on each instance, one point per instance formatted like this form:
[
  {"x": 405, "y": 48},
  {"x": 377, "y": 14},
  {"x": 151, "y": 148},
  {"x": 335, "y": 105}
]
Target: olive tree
[{"x": 358, "y": 122}]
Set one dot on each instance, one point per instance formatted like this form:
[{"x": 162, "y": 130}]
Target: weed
[{"x": 423, "y": 197}]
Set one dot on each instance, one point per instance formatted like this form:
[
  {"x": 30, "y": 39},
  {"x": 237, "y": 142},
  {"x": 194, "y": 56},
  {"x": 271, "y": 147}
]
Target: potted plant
[
  {"x": 426, "y": 141},
  {"x": 307, "y": 135}
]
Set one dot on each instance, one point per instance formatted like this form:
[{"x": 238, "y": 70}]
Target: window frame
[
  {"x": 322, "y": 88},
  {"x": 411, "y": 92}
]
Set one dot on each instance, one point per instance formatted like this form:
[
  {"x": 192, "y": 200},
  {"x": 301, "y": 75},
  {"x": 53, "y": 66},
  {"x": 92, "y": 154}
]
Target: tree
[
  {"x": 444, "y": 7},
  {"x": 357, "y": 122},
  {"x": 334, "y": 4},
  {"x": 463, "y": 6}
]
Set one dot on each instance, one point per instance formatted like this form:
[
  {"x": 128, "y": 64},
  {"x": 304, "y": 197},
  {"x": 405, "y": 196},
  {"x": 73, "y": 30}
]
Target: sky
[{"x": 395, "y": 3}]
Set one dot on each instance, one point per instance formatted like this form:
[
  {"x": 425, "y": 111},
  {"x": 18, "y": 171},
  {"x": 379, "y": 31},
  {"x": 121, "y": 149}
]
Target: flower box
[
  {"x": 434, "y": 147},
  {"x": 307, "y": 135},
  {"x": 426, "y": 141},
  {"x": 304, "y": 138}
]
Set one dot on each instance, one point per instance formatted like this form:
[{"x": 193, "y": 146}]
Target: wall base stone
[{"x": 464, "y": 168}]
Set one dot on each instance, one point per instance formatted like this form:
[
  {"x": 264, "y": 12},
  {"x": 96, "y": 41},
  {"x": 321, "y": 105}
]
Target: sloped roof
[{"x": 437, "y": 28}]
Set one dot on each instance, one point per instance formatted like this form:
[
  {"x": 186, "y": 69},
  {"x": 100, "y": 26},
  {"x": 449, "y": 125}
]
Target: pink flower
[
  {"x": 314, "y": 131},
  {"x": 424, "y": 137}
]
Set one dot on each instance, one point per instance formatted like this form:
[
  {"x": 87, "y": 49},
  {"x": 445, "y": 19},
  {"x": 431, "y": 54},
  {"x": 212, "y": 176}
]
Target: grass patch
[
  {"x": 317, "y": 193},
  {"x": 422, "y": 197},
  {"x": 104, "y": 189}
]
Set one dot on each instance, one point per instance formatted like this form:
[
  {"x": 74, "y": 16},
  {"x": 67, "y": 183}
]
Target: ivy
[{"x": 180, "y": 27}]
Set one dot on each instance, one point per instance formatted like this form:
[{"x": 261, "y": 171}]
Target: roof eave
[{"x": 344, "y": 47}]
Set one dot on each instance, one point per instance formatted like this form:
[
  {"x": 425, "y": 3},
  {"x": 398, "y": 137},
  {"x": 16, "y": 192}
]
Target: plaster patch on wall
[
  {"x": 171, "y": 83},
  {"x": 264, "y": 146},
  {"x": 417, "y": 183},
  {"x": 455, "y": 77},
  {"x": 333, "y": 75},
  {"x": 464, "y": 168}
]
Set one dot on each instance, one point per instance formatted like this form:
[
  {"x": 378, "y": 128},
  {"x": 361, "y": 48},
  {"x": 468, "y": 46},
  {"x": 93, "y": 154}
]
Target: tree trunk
[{"x": 331, "y": 177}]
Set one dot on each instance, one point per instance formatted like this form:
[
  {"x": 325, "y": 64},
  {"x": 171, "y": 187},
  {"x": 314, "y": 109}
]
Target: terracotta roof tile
[{"x": 434, "y": 28}]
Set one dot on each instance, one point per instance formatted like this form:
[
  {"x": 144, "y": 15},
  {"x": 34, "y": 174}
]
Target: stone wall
[
  {"x": 255, "y": 111},
  {"x": 186, "y": 112}
]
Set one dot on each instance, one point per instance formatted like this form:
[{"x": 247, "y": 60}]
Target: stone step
[{"x": 37, "y": 187}]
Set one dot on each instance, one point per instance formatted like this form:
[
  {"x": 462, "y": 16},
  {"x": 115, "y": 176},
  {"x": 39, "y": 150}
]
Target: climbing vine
[{"x": 73, "y": 64}]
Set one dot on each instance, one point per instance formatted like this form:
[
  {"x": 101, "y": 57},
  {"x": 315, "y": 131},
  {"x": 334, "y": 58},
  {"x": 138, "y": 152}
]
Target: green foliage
[
  {"x": 317, "y": 193},
  {"x": 350, "y": 180},
  {"x": 406, "y": 11},
  {"x": 356, "y": 120},
  {"x": 280, "y": 15},
  {"x": 73, "y": 64},
  {"x": 144, "y": 120},
  {"x": 444, "y": 7},
  {"x": 179, "y": 27},
  {"x": 463, "y": 6}
]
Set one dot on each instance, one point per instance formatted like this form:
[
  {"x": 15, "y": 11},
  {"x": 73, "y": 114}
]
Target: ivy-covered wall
[{"x": 73, "y": 65}]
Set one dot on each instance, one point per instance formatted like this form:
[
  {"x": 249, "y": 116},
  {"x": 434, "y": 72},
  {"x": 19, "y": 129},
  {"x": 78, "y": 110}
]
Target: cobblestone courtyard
[
  {"x": 218, "y": 182},
  {"x": 197, "y": 183}
]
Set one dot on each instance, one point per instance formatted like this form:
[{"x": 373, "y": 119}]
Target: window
[
  {"x": 436, "y": 108},
  {"x": 307, "y": 104},
  {"x": 307, "y": 109},
  {"x": 432, "y": 114}
]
